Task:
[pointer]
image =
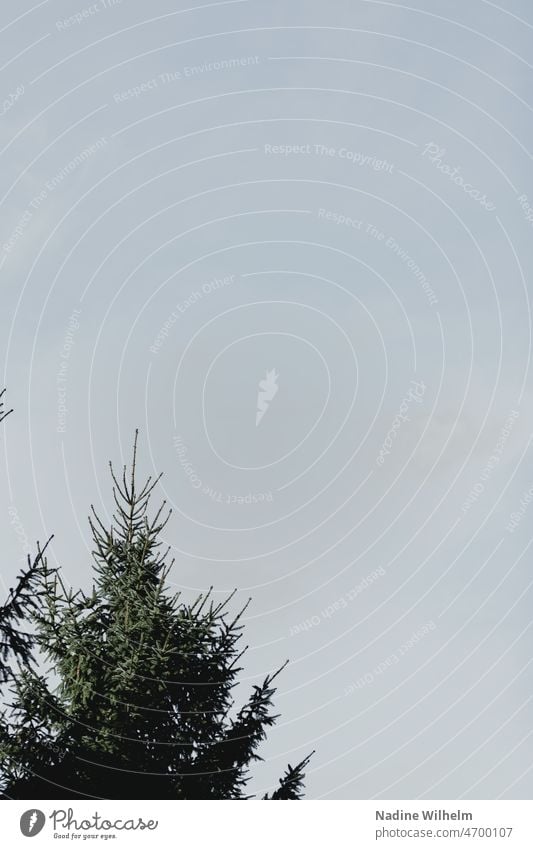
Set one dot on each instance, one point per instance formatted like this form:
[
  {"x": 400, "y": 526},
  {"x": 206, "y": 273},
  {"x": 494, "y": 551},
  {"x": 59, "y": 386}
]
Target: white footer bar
[{"x": 263, "y": 825}]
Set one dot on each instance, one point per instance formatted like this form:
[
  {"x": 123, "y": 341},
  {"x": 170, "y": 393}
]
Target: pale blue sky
[{"x": 147, "y": 154}]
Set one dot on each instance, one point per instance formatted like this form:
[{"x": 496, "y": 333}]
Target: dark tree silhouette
[
  {"x": 3, "y": 414},
  {"x": 16, "y": 643},
  {"x": 291, "y": 785},
  {"x": 144, "y": 705}
]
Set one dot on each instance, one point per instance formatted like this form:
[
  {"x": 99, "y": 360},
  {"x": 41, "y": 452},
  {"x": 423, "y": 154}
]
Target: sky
[{"x": 291, "y": 243}]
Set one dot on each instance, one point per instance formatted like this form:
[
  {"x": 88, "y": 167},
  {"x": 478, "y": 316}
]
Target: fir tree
[{"x": 144, "y": 706}]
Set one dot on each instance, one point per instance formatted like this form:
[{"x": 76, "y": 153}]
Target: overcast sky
[{"x": 291, "y": 242}]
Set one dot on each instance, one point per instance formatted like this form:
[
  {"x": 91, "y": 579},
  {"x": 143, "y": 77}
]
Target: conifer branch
[{"x": 3, "y": 414}]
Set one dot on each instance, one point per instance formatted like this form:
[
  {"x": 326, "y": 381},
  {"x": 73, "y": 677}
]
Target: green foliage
[{"x": 143, "y": 706}]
